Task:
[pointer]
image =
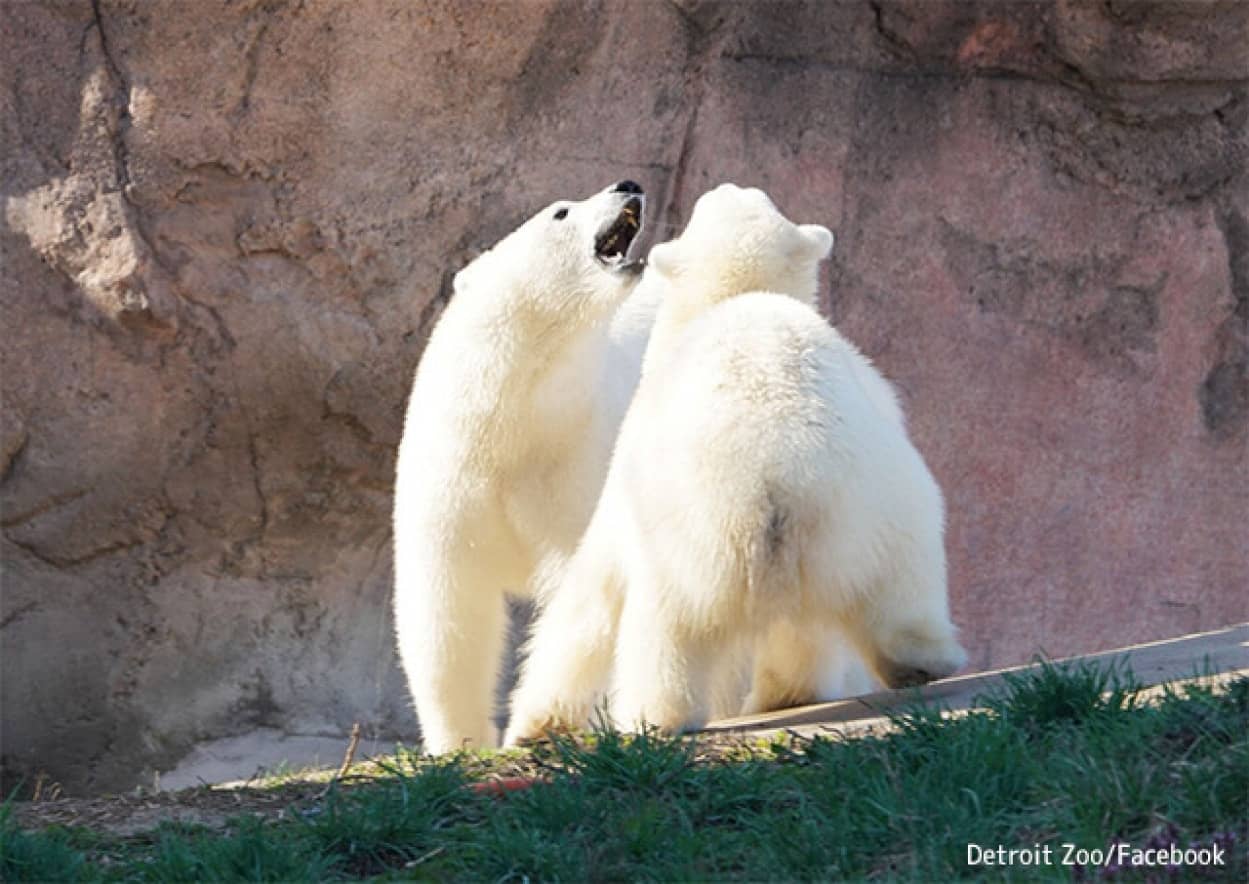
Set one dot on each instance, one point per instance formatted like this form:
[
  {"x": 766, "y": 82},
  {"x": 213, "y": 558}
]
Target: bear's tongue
[{"x": 612, "y": 244}]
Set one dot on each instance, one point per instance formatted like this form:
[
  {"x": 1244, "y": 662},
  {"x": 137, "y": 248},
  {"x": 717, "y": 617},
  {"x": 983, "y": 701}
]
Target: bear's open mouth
[{"x": 612, "y": 244}]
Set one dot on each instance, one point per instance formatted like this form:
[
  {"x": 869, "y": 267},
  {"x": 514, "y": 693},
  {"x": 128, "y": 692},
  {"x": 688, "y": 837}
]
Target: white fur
[
  {"x": 763, "y": 490},
  {"x": 504, "y": 451}
]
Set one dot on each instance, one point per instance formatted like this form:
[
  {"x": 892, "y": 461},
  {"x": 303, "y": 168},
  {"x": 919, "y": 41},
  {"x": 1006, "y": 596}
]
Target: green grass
[
  {"x": 45, "y": 856},
  {"x": 1062, "y": 755}
]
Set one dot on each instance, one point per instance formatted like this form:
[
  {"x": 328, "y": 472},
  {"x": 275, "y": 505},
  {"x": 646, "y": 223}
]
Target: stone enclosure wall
[{"x": 228, "y": 227}]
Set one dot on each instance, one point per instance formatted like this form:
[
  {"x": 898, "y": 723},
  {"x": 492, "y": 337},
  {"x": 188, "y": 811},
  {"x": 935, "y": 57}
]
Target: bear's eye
[{"x": 561, "y": 214}]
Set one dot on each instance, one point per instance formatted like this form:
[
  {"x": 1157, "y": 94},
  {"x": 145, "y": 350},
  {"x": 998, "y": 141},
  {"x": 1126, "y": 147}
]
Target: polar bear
[
  {"x": 762, "y": 489},
  {"x": 506, "y": 445}
]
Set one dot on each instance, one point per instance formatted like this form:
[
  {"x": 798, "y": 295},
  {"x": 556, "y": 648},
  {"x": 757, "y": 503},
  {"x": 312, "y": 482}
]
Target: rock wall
[{"x": 228, "y": 228}]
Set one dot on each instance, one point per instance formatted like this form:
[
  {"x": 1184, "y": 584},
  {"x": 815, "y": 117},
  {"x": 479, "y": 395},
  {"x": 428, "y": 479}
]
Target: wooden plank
[{"x": 1223, "y": 653}]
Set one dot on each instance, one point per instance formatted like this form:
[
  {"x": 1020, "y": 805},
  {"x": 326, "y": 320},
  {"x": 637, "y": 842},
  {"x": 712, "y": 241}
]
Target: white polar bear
[
  {"x": 762, "y": 489},
  {"x": 506, "y": 444}
]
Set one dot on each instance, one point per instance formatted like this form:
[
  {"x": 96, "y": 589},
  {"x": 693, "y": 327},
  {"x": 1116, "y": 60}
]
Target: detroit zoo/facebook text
[{"x": 1117, "y": 855}]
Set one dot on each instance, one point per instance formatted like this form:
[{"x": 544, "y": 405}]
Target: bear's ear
[
  {"x": 663, "y": 259},
  {"x": 819, "y": 240}
]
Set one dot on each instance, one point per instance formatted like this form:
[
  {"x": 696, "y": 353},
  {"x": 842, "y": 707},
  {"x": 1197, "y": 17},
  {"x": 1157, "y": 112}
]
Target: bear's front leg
[
  {"x": 570, "y": 653},
  {"x": 451, "y": 625}
]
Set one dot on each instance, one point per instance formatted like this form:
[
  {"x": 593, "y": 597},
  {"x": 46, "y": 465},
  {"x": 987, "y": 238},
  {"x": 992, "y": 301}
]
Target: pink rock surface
[{"x": 227, "y": 229}]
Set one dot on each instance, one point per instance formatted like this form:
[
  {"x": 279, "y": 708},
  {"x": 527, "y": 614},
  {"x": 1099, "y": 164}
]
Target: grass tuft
[
  {"x": 364, "y": 832},
  {"x": 252, "y": 850},
  {"x": 644, "y": 762},
  {"x": 1073, "y": 693},
  {"x": 42, "y": 856}
]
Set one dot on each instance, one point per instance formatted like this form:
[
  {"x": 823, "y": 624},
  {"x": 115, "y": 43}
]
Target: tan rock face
[{"x": 227, "y": 230}]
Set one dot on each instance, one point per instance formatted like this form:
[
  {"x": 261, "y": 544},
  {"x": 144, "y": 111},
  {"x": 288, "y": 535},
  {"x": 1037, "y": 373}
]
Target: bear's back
[
  {"x": 764, "y": 353},
  {"x": 762, "y": 384}
]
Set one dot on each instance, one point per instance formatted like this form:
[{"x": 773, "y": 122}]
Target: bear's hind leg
[
  {"x": 663, "y": 672},
  {"x": 786, "y": 670},
  {"x": 904, "y": 633}
]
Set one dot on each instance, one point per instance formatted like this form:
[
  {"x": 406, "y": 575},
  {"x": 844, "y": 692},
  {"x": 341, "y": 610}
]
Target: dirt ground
[
  {"x": 299, "y": 793},
  {"x": 213, "y": 805}
]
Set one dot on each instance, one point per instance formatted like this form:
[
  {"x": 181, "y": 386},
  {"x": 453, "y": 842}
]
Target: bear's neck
[
  {"x": 673, "y": 318},
  {"x": 681, "y": 304},
  {"x": 530, "y": 356}
]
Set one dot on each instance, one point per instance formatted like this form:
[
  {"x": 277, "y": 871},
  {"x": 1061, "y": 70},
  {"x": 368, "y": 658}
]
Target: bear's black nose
[{"x": 626, "y": 186}]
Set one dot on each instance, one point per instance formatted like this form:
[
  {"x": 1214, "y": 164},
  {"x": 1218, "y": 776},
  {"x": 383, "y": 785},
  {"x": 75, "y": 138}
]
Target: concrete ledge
[{"x": 1215, "y": 656}]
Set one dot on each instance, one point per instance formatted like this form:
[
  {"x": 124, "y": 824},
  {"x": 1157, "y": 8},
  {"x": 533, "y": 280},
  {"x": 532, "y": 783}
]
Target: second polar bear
[{"x": 763, "y": 488}]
